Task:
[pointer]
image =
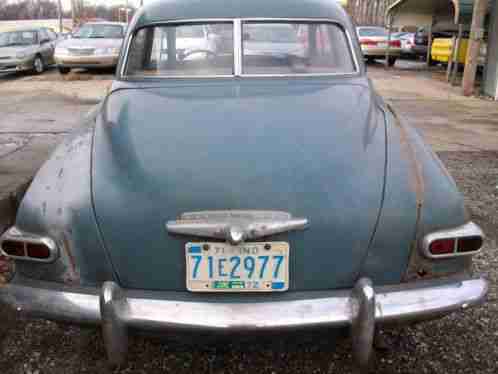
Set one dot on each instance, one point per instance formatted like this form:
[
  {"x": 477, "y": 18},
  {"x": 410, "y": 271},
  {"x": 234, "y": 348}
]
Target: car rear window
[
  {"x": 295, "y": 48},
  {"x": 99, "y": 31},
  {"x": 209, "y": 49},
  {"x": 201, "y": 49}
]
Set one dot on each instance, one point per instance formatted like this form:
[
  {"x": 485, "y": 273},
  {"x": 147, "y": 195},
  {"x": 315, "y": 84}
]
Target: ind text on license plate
[{"x": 248, "y": 267}]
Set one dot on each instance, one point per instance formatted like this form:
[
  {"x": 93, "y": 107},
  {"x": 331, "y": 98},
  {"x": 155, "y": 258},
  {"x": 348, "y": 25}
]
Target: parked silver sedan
[
  {"x": 94, "y": 45},
  {"x": 374, "y": 44},
  {"x": 27, "y": 50}
]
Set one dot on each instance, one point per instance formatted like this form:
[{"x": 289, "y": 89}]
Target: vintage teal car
[{"x": 256, "y": 184}]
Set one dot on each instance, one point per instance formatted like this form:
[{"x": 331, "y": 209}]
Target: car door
[
  {"x": 46, "y": 47},
  {"x": 53, "y": 41}
]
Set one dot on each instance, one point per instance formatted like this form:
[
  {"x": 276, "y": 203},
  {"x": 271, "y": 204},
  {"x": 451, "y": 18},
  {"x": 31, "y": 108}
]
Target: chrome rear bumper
[{"x": 362, "y": 308}]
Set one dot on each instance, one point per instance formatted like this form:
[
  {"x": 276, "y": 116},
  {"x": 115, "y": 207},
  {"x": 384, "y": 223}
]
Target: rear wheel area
[
  {"x": 38, "y": 65},
  {"x": 63, "y": 70},
  {"x": 391, "y": 61}
]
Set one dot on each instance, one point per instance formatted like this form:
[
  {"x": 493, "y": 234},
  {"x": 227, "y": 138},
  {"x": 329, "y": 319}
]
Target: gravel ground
[{"x": 462, "y": 343}]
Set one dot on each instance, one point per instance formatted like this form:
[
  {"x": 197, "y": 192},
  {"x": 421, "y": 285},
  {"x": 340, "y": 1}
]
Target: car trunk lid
[{"x": 314, "y": 150}]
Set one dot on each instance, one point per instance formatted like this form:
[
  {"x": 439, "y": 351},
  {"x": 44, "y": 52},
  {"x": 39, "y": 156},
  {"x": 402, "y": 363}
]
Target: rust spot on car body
[
  {"x": 73, "y": 275},
  {"x": 416, "y": 173}
]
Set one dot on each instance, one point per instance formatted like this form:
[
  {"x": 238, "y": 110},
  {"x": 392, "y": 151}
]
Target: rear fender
[
  {"x": 420, "y": 197},
  {"x": 58, "y": 204}
]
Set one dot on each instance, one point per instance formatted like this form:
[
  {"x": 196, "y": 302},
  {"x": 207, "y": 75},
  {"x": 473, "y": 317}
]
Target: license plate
[
  {"x": 248, "y": 267},
  {"x": 382, "y": 45}
]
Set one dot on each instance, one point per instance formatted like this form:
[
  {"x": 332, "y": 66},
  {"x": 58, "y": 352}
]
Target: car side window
[{"x": 52, "y": 35}]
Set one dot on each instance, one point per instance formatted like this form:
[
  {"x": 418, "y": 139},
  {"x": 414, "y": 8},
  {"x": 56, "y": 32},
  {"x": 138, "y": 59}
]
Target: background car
[
  {"x": 195, "y": 42},
  {"x": 27, "y": 50},
  {"x": 266, "y": 44},
  {"x": 422, "y": 40},
  {"x": 407, "y": 40},
  {"x": 93, "y": 45},
  {"x": 374, "y": 44}
]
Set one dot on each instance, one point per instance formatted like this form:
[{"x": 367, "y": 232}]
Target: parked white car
[
  {"x": 94, "y": 45},
  {"x": 374, "y": 43}
]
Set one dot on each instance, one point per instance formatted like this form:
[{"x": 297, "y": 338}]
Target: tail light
[
  {"x": 395, "y": 43},
  {"x": 465, "y": 240},
  {"x": 442, "y": 247},
  {"x": 40, "y": 251},
  {"x": 13, "y": 248},
  {"x": 18, "y": 245},
  {"x": 368, "y": 42},
  {"x": 469, "y": 244}
]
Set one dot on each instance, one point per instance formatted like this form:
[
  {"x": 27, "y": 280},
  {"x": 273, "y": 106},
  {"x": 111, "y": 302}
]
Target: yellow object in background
[{"x": 442, "y": 49}]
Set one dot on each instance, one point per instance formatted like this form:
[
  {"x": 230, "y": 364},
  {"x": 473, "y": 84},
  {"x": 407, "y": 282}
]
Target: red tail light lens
[
  {"x": 442, "y": 247},
  {"x": 13, "y": 248},
  {"x": 368, "y": 42},
  {"x": 469, "y": 244},
  {"x": 38, "y": 250},
  {"x": 395, "y": 43}
]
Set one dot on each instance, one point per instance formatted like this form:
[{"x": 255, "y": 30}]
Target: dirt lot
[{"x": 463, "y": 343}]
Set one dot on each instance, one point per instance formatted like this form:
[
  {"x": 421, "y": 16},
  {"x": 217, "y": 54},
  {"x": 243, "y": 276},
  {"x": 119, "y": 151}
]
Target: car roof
[{"x": 170, "y": 10}]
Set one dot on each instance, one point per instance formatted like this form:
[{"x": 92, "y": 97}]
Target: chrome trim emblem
[{"x": 235, "y": 226}]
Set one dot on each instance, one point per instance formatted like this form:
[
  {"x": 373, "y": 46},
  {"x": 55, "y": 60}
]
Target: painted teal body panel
[
  {"x": 58, "y": 204},
  {"x": 292, "y": 145},
  {"x": 160, "y": 11},
  {"x": 412, "y": 207}
]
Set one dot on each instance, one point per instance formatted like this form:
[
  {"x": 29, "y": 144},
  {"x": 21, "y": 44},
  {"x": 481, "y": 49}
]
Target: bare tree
[{"x": 27, "y": 9}]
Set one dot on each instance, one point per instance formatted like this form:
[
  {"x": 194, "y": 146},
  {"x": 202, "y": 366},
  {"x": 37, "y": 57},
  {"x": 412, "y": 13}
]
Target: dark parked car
[
  {"x": 407, "y": 40},
  {"x": 267, "y": 187},
  {"x": 27, "y": 50},
  {"x": 422, "y": 40}
]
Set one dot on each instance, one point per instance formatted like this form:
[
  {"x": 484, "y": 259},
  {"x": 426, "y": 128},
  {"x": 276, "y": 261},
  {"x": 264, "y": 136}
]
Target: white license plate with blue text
[{"x": 248, "y": 267}]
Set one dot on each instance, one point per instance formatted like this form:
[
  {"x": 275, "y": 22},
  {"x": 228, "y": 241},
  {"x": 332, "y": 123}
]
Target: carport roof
[{"x": 463, "y": 8}]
